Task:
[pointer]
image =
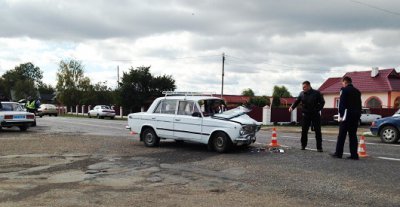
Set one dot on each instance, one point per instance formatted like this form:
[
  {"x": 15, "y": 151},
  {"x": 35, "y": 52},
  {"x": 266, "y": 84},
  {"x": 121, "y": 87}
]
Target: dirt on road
[{"x": 39, "y": 169}]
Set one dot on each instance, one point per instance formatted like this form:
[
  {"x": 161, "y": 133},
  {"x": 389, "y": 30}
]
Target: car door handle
[
  {"x": 153, "y": 118},
  {"x": 177, "y": 119}
]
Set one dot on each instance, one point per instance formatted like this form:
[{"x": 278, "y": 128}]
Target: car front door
[{"x": 186, "y": 126}]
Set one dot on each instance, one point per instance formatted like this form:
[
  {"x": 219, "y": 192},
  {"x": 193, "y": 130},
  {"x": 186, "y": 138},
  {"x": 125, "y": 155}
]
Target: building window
[
  {"x": 336, "y": 102},
  {"x": 373, "y": 102}
]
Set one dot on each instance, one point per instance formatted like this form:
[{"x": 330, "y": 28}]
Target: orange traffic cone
[
  {"x": 274, "y": 141},
  {"x": 362, "y": 149}
]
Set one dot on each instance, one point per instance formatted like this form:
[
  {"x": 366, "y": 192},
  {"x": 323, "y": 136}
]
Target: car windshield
[
  {"x": 105, "y": 107},
  {"x": 11, "y": 107}
]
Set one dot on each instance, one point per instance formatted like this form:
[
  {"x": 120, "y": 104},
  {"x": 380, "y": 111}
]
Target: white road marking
[
  {"x": 388, "y": 158},
  {"x": 329, "y": 140}
]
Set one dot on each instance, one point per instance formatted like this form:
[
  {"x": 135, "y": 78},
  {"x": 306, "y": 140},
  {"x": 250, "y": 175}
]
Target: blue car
[{"x": 387, "y": 129}]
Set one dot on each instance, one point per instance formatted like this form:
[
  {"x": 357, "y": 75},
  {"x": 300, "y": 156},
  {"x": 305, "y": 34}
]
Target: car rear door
[
  {"x": 186, "y": 126},
  {"x": 163, "y": 116}
]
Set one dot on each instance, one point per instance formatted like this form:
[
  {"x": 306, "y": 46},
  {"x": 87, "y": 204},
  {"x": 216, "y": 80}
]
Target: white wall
[{"x": 329, "y": 99}]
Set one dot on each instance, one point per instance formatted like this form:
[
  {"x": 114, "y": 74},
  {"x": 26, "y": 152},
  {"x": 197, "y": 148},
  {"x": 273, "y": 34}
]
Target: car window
[
  {"x": 166, "y": 106},
  {"x": 105, "y": 107},
  {"x": 11, "y": 107},
  {"x": 187, "y": 108}
]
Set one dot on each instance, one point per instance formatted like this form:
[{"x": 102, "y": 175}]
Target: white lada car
[
  {"x": 13, "y": 115},
  {"x": 196, "y": 119}
]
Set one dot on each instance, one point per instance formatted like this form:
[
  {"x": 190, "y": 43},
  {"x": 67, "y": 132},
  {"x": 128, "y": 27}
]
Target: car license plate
[{"x": 19, "y": 117}]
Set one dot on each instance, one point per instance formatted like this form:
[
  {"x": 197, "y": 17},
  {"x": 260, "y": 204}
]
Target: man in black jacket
[
  {"x": 312, "y": 102},
  {"x": 349, "y": 114}
]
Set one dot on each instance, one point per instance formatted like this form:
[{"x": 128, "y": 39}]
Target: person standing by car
[
  {"x": 349, "y": 115},
  {"x": 30, "y": 105},
  {"x": 312, "y": 102}
]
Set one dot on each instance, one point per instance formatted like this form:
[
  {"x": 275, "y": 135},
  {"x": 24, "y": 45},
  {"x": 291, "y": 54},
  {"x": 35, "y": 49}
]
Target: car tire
[
  {"x": 98, "y": 116},
  {"x": 89, "y": 115},
  {"x": 55, "y": 115},
  {"x": 112, "y": 117},
  {"x": 221, "y": 142},
  {"x": 150, "y": 138},
  {"x": 23, "y": 128},
  {"x": 389, "y": 134}
]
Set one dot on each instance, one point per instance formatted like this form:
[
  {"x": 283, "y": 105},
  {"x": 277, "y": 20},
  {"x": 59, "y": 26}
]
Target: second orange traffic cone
[
  {"x": 274, "y": 141},
  {"x": 362, "y": 149}
]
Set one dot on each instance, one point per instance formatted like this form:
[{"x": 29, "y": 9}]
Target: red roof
[
  {"x": 386, "y": 80},
  {"x": 288, "y": 101},
  {"x": 237, "y": 99}
]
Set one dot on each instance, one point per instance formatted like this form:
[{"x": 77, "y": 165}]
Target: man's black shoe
[
  {"x": 320, "y": 150},
  {"x": 334, "y": 155},
  {"x": 352, "y": 158},
  {"x": 303, "y": 148}
]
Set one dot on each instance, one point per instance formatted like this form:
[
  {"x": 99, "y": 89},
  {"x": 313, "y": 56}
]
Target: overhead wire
[{"x": 376, "y": 7}]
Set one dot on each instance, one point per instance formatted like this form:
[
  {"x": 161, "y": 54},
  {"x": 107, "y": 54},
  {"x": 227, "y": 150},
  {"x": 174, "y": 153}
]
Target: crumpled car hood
[{"x": 238, "y": 114}]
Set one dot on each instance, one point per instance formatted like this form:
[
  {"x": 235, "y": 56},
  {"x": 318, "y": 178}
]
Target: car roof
[{"x": 191, "y": 98}]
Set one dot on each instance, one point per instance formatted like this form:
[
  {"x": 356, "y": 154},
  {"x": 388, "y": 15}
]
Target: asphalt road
[
  {"x": 87, "y": 162},
  {"x": 116, "y": 128}
]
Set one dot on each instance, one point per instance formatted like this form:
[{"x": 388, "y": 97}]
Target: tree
[
  {"x": 279, "y": 92},
  {"x": 259, "y": 101},
  {"x": 248, "y": 92},
  {"x": 71, "y": 82},
  {"x": 46, "y": 89},
  {"x": 139, "y": 87},
  {"x": 99, "y": 93},
  {"x": 22, "y": 80}
]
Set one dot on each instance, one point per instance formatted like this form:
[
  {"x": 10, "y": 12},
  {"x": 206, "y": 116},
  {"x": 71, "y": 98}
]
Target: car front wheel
[
  {"x": 389, "y": 134},
  {"x": 150, "y": 138},
  {"x": 221, "y": 142}
]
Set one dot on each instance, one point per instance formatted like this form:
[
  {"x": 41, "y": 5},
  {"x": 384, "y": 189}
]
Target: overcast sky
[{"x": 266, "y": 42}]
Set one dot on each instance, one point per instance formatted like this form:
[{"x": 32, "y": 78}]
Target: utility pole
[
  {"x": 117, "y": 76},
  {"x": 223, "y": 74}
]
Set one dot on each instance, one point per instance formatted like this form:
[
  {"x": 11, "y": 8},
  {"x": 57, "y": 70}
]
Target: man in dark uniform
[
  {"x": 312, "y": 102},
  {"x": 349, "y": 114}
]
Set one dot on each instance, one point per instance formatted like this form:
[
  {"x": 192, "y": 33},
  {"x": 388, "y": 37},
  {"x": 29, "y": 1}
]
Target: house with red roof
[{"x": 379, "y": 88}]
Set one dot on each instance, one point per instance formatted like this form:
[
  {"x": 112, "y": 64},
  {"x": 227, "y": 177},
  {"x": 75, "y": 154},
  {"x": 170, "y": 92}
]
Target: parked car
[
  {"x": 47, "y": 109},
  {"x": 387, "y": 129},
  {"x": 196, "y": 119},
  {"x": 13, "y": 115},
  {"x": 101, "y": 111},
  {"x": 366, "y": 117}
]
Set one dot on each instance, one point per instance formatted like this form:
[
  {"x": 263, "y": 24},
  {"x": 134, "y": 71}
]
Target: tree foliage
[
  {"x": 23, "y": 80},
  {"x": 138, "y": 87},
  {"x": 259, "y": 101},
  {"x": 248, "y": 92},
  {"x": 279, "y": 92},
  {"x": 46, "y": 89},
  {"x": 71, "y": 82}
]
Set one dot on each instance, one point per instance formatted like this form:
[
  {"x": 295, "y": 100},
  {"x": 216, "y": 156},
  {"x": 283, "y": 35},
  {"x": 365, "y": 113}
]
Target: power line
[{"x": 376, "y": 7}]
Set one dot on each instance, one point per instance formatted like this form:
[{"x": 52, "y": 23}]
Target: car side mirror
[{"x": 196, "y": 114}]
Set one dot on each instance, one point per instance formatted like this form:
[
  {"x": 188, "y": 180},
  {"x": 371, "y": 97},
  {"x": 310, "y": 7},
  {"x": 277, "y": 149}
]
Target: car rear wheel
[
  {"x": 150, "y": 138},
  {"x": 89, "y": 115},
  {"x": 389, "y": 134},
  {"x": 221, "y": 142}
]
